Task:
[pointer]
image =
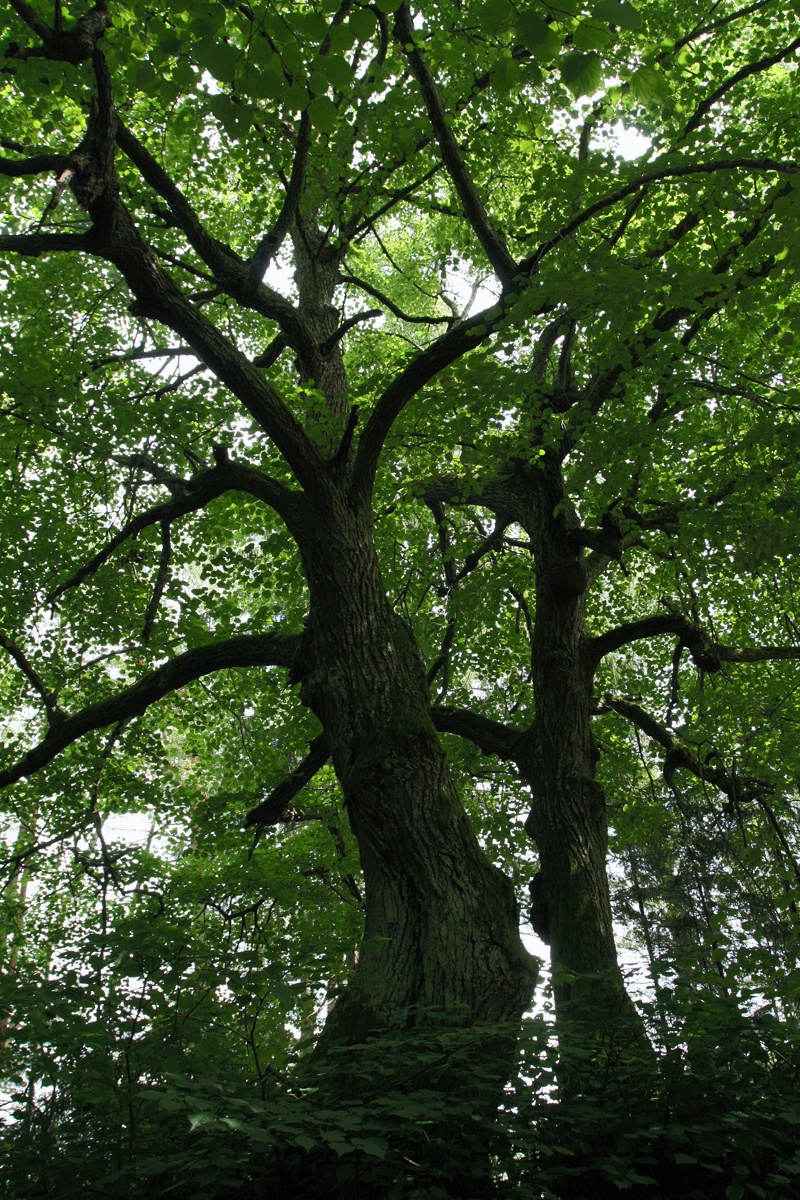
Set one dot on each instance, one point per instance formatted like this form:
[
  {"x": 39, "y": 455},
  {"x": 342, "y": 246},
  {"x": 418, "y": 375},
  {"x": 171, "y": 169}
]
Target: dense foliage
[{"x": 399, "y": 475}]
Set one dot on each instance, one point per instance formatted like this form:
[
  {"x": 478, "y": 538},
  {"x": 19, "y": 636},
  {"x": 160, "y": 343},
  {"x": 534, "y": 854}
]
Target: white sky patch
[{"x": 630, "y": 143}]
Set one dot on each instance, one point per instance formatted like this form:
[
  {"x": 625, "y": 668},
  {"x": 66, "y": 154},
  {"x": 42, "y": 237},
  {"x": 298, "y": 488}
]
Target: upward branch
[{"x": 492, "y": 242}]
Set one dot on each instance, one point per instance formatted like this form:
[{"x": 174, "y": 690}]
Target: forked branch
[
  {"x": 680, "y": 756},
  {"x": 196, "y": 494},
  {"x": 256, "y": 650}
]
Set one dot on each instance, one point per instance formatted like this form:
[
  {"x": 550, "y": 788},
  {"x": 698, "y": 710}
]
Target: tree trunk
[
  {"x": 568, "y": 820},
  {"x": 441, "y": 944},
  {"x": 441, "y": 921}
]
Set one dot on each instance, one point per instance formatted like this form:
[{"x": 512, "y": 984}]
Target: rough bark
[
  {"x": 441, "y": 921},
  {"x": 568, "y": 819}
]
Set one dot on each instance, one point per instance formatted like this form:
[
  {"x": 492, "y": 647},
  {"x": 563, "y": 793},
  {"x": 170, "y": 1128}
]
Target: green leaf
[
  {"x": 582, "y": 73},
  {"x": 336, "y": 70},
  {"x": 650, "y": 85},
  {"x": 323, "y": 114},
  {"x": 362, "y": 22},
  {"x": 590, "y": 36},
  {"x": 534, "y": 32},
  {"x": 622, "y": 14},
  {"x": 495, "y": 16}
]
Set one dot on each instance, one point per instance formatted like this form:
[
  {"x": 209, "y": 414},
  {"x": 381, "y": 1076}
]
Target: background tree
[{"x": 347, "y": 344}]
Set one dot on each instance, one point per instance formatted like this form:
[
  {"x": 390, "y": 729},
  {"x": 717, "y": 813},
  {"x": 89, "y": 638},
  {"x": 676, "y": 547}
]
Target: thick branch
[
  {"x": 74, "y": 45},
  {"x": 704, "y": 652},
  {"x": 491, "y": 737},
  {"x": 491, "y": 241},
  {"x": 32, "y": 245},
  {"x": 272, "y": 810},
  {"x": 256, "y": 650},
  {"x": 751, "y": 654},
  {"x": 32, "y": 19},
  {"x": 32, "y": 166}
]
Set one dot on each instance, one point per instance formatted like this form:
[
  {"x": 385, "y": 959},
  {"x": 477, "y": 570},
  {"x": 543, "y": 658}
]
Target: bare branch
[
  {"x": 32, "y": 245},
  {"x": 426, "y": 363},
  {"x": 138, "y": 355},
  {"x": 708, "y": 655},
  {"x": 272, "y": 810},
  {"x": 752, "y": 654},
  {"x": 74, "y": 45},
  {"x": 491, "y": 737},
  {"x": 704, "y": 652},
  {"x": 392, "y": 307},
  {"x": 719, "y": 23},
  {"x": 36, "y": 165},
  {"x": 255, "y": 650},
  {"x": 272, "y": 353},
  {"x": 489, "y": 543},
  {"x": 32, "y": 19},
  {"x": 349, "y": 324}
]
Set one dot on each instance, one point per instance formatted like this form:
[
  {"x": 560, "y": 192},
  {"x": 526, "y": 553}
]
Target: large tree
[{"x": 348, "y": 341}]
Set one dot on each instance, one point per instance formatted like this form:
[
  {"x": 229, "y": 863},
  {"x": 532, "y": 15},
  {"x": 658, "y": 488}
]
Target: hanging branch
[
  {"x": 54, "y": 714},
  {"x": 160, "y": 584}
]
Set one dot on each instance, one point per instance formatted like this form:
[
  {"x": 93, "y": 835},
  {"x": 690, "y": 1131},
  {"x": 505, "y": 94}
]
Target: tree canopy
[{"x": 399, "y": 487}]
